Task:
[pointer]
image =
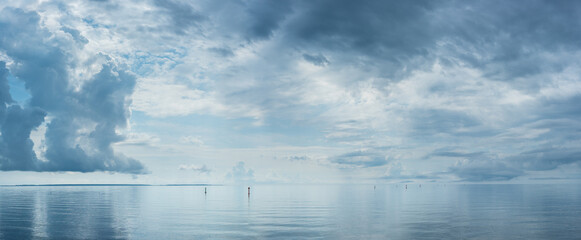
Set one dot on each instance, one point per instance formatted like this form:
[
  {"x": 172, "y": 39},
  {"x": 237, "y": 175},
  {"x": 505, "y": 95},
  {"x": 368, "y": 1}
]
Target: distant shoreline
[{"x": 110, "y": 185}]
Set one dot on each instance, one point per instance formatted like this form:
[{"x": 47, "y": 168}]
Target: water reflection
[
  {"x": 292, "y": 212},
  {"x": 81, "y": 214},
  {"x": 17, "y": 214},
  {"x": 58, "y": 213}
]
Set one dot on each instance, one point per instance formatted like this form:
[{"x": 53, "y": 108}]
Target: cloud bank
[{"x": 81, "y": 115}]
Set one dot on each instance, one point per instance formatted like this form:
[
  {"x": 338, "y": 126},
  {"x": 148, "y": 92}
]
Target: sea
[{"x": 392, "y": 211}]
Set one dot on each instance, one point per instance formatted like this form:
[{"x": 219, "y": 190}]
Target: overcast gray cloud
[{"x": 453, "y": 90}]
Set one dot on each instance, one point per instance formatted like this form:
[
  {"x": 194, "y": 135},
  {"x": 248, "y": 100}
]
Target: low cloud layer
[
  {"x": 360, "y": 159},
  {"x": 195, "y": 168}
]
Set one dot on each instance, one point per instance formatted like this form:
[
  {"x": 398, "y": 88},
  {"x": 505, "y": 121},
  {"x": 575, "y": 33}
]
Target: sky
[{"x": 323, "y": 91}]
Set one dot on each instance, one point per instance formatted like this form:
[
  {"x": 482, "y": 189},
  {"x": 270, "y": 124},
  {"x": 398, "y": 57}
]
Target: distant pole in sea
[
  {"x": 248, "y": 191},
  {"x": 406, "y": 186},
  {"x": 205, "y": 191},
  {"x": 373, "y": 187}
]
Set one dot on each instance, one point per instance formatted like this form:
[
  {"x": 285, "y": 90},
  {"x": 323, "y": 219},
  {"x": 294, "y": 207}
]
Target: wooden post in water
[
  {"x": 248, "y": 191},
  {"x": 205, "y": 191}
]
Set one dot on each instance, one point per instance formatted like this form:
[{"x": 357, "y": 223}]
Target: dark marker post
[
  {"x": 248, "y": 191},
  {"x": 205, "y": 191}
]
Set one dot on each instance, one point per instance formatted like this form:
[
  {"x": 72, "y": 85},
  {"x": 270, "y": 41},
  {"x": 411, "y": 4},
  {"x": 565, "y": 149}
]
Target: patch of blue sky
[
  {"x": 18, "y": 90},
  {"x": 290, "y": 132},
  {"x": 216, "y": 130},
  {"x": 179, "y": 52},
  {"x": 145, "y": 63},
  {"x": 223, "y": 132},
  {"x": 94, "y": 24}
]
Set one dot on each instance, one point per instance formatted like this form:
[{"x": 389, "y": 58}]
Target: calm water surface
[{"x": 292, "y": 212}]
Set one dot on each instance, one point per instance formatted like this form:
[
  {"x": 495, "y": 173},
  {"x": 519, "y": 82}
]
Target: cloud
[
  {"x": 317, "y": 60},
  {"x": 265, "y": 17},
  {"x": 345, "y": 26},
  {"x": 444, "y": 80},
  {"x": 83, "y": 120},
  {"x": 240, "y": 174},
  {"x": 360, "y": 158},
  {"x": 195, "y": 168},
  {"x": 222, "y": 52},
  {"x": 479, "y": 166},
  {"x": 397, "y": 171},
  {"x": 76, "y": 34},
  {"x": 15, "y": 143},
  {"x": 183, "y": 16},
  {"x": 547, "y": 158},
  {"x": 298, "y": 158},
  {"x": 5, "y": 97},
  {"x": 436, "y": 121},
  {"x": 195, "y": 140},
  {"x": 140, "y": 139},
  {"x": 484, "y": 170},
  {"x": 394, "y": 170},
  {"x": 447, "y": 152}
]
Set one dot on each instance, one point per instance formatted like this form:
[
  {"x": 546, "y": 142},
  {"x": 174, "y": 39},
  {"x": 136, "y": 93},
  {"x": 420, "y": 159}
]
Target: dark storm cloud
[
  {"x": 364, "y": 159},
  {"x": 83, "y": 122}
]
